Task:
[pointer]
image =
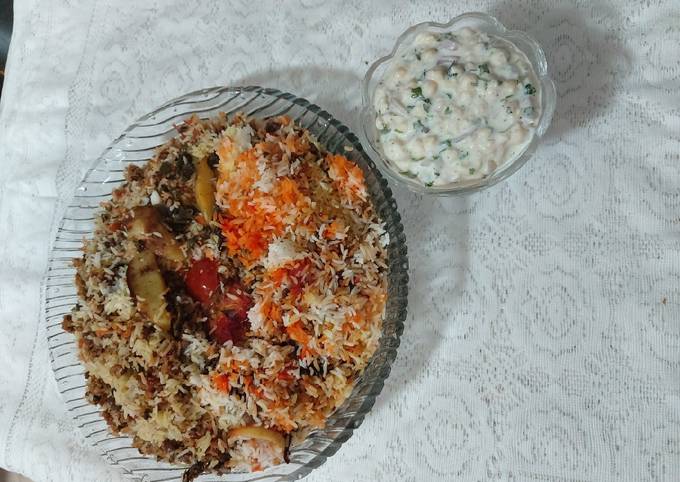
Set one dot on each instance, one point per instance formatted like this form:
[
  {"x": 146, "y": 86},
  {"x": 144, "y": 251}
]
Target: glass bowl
[
  {"x": 488, "y": 24},
  {"x": 135, "y": 146}
]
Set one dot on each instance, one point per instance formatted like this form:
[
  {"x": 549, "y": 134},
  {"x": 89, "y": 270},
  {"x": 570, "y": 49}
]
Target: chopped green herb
[
  {"x": 418, "y": 56},
  {"x": 463, "y": 155},
  {"x": 529, "y": 89},
  {"x": 484, "y": 68},
  {"x": 449, "y": 95},
  {"x": 508, "y": 97},
  {"x": 417, "y": 93},
  {"x": 528, "y": 112},
  {"x": 450, "y": 72},
  {"x": 437, "y": 174},
  {"x": 398, "y": 131},
  {"x": 471, "y": 170},
  {"x": 447, "y": 110},
  {"x": 508, "y": 110},
  {"x": 419, "y": 124},
  {"x": 429, "y": 184},
  {"x": 384, "y": 130},
  {"x": 448, "y": 142},
  {"x": 426, "y": 107}
]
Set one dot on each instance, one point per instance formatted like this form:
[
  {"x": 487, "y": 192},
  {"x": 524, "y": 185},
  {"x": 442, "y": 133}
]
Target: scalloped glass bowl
[
  {"x": 136, "y": 145},
  {"x": 491, "y": 26}
]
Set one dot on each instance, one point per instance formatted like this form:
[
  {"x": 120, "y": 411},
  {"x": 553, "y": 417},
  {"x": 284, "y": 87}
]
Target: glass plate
[{"x": 136, "y": 145}]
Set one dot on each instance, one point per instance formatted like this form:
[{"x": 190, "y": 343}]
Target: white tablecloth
[{"x": 543, "y": 336}]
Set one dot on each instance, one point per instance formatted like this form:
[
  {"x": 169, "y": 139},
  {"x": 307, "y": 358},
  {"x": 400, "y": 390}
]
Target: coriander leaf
[
  {"x": 429, "y": 184},
  {"x": 484, "y": 68},
  {"x": 417, "y": 93},
  {"x": 472, "y": 170},
  {"x": 529, "y": 89},
  {"x": 463, "y": 155},
  {"x": 419, "y": 124}
]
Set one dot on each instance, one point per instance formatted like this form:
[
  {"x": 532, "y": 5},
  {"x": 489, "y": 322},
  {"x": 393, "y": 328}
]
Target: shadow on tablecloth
[{"x": 581, "y": 58}]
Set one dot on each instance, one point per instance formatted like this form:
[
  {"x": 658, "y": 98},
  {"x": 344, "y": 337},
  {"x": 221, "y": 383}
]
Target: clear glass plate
[{"x": 136, "y": 145}]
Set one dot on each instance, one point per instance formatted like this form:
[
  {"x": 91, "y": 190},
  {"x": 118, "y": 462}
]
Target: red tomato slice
[
  {"x": 227, "y": 327},
  {"x": 229, "y": 320},
  {"x": 202, "y": 280},
  {"x": 235, "y": 301}
]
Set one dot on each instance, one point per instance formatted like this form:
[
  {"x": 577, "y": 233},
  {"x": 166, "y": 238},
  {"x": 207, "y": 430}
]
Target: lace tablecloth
[{"x": 543, "y": 337}]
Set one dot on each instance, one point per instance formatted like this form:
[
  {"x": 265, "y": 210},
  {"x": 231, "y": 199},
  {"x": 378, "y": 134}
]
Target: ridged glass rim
[
  {"x": 58, "y": 291},
  {"x": 523, "y": 41}
]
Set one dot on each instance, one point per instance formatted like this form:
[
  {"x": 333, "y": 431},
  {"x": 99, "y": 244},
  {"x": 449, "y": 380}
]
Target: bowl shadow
[
  {"x": 584, "y": 61},
  {"x": 336, "y": 91},
  {"x": 438, "y": 262}
]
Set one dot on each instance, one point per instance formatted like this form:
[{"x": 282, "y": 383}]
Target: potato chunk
[
  {"x": 260, "y": 433},
  {"x": 147, "y": 284},
  {"x": 205, "y": 189},
  {"x": 146, "y": 224}
]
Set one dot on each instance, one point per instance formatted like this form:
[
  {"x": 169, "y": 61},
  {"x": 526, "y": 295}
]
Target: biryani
[{"x": 232, "y": 293}]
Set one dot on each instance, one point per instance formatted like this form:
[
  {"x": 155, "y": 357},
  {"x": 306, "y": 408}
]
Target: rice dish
[{"x": 232, "y": 292}]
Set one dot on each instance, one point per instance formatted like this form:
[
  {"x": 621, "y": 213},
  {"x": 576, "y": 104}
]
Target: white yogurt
[{"x": 455, "y": 106}]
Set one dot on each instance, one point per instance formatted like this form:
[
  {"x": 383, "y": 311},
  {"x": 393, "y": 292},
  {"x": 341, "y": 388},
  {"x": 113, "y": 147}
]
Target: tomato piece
[
  {"x": 230, "y": 314},
  {"x": 226, "y": 327},
  {"x": 235, "y": 300},
  {"x": 202, "y": 280}
]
